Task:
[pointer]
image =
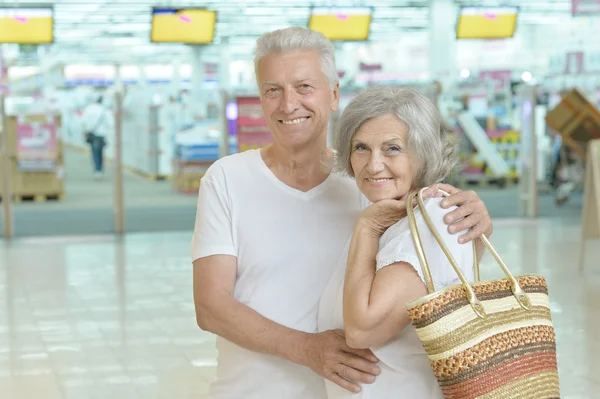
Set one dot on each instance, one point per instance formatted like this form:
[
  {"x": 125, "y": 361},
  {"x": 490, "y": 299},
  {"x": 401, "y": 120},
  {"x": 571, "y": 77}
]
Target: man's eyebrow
[{"x": 270, "y": 82}]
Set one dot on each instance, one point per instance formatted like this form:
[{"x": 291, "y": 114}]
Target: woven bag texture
[{"x": 511, "y": 353}]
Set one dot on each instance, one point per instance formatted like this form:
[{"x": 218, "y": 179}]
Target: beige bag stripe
[
  {"x": 478, "y": 328},
  {"x": 452, "y": 350},
  {"x": 465, "y": 315},
  {"x": 459, "y": 303}
]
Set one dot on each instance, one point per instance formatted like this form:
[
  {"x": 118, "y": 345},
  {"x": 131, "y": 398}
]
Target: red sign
[
  {"x": 502, "y": 77},
  {"x": 252, "y": 130},
  {"x": 36, "y": 145},
  {"x": 585, "y": 7},
  {"x": 369, "y": 67}
]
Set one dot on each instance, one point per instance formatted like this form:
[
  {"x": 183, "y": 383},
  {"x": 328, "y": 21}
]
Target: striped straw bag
[{"x": 487, "y": 340}]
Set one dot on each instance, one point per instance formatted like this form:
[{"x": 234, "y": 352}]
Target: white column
[
  {"x": 442, "y": 41},
  {"x": 119, "y": 208},
  {"x": 176, "y": 80},
  {"x": 143, "y": 80},
  {"x": 528, "y": 193},
  {"x": 225, "y": 92},
  {"x": 196, "y": 105},
  {"x": 118, "y": 78},
  {"x": 5, "y": 175}
]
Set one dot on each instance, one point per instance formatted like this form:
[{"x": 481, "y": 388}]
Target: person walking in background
[{"x": 96, "y": 124}]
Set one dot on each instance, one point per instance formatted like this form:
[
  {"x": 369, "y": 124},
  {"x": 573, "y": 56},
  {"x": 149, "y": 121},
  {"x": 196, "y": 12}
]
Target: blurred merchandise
[{"x": 36, "y": 156}]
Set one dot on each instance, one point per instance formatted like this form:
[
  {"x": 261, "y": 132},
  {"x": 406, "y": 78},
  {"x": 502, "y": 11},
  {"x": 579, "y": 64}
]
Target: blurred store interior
[{"x": 95, "y": 271}]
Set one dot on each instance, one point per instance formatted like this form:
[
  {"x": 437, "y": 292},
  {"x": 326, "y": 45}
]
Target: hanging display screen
[
  {"x": 189, "y": 25},
  {"x": 341, "y": 23},
  {"x": 487, "y": 22},
  {"x": 27, "y": 25}
]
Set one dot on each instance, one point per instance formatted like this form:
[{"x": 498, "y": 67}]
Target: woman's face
[{"x": 381, "y": 165}]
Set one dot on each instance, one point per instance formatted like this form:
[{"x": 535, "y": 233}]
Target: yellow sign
[
  {"x": 191, "y": 26},
  {"x": 487, "y": 22},
  {"x": 26, "y": 25},
  {"x": 341, "y": 23}
]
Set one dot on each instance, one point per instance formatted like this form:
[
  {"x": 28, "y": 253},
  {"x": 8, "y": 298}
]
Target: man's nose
[{"x": 289, "y": 102}]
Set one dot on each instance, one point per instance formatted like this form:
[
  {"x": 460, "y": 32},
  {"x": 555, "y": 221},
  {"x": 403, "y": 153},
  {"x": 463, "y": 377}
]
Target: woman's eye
[
  {"x": 360, "y": 147},
  {"x": 304, "y": 86},
  {"x": 395, "y": 148}
]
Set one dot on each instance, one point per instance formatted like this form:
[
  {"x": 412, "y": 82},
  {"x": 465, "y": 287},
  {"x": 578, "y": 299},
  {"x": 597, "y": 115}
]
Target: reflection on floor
[
  {"x": 156, "y": 206},
  {"x": 102, "y": 317}
]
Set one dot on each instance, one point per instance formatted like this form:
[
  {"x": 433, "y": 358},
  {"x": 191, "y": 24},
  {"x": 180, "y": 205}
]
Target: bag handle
[
  {"x": 516, "y": 289},
  {"x": 420, "y": 253}
]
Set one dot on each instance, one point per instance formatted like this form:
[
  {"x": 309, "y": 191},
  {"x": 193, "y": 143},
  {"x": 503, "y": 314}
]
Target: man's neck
[{"x": 302, "y": 169}]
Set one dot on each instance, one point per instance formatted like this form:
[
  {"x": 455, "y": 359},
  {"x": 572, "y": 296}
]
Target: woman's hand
[{"x": 382, "y": 214}]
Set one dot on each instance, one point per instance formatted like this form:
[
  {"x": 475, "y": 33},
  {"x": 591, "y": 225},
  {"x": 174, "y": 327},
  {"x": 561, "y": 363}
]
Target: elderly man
[{"x": 270, "y": 227}]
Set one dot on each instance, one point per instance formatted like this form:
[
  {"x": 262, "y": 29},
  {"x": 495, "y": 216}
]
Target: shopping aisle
[
  {"x": 87, "y": 207},
  {"x": 83, "y": 191},
  {"x": 105, "y": 318}
]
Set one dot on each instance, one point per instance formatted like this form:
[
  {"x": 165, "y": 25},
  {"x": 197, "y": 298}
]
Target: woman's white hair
[
  {"x": 428, "y": 140},
  {"x": 298, "y": 39}
]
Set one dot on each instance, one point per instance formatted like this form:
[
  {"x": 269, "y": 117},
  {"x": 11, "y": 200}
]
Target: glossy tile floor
[{"x": 109, "y": 318}]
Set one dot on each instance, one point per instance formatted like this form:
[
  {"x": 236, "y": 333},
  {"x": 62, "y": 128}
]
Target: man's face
[{"x": 296, "y": 98}]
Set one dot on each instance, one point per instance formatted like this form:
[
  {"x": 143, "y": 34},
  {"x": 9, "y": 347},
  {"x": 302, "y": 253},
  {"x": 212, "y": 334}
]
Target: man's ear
[{"x": 335, "y": 97}]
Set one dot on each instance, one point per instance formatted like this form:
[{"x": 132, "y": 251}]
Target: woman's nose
[{"x": 375, "y": 164}]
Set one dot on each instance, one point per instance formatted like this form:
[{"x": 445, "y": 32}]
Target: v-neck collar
[{"x": 305, "y": 195}]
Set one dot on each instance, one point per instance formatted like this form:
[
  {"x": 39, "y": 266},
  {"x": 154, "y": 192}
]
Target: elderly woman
[{"x": 392, "y": 142}]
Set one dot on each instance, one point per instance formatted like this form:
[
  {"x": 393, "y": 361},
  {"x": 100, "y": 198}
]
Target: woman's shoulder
[
  {"x": 401, "y": 228},
  {"x": 433, "y": 207}
]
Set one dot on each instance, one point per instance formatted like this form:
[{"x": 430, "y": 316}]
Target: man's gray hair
[
  {"x": 428, "y": 141},
  {"x": 298, "y": 39}
]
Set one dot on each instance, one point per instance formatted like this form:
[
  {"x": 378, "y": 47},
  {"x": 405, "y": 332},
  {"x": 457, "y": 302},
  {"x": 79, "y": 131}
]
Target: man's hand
[
  {"x": 328, "y": 355},
  {"x": 471, "y": 214}
]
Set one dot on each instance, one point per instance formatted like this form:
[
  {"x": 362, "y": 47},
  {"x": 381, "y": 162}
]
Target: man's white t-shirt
[{"x": 287, "y": 243}]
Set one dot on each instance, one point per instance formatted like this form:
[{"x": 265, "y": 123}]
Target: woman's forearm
[{"x": 360, "y": 274}]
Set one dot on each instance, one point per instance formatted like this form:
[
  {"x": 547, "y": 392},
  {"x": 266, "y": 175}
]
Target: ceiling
[{"x": 119, "y": 30}]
